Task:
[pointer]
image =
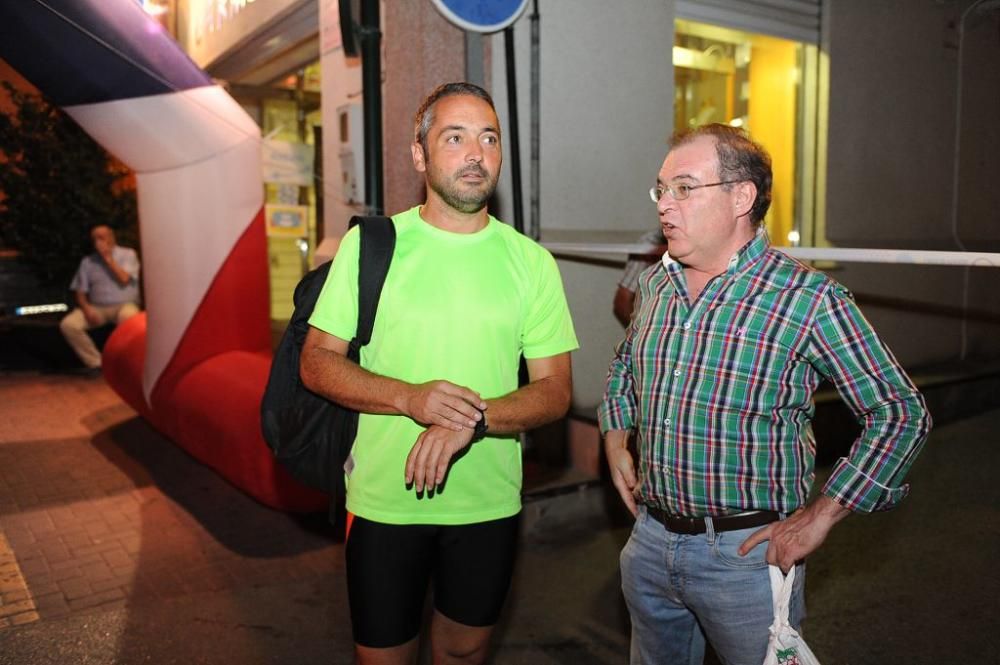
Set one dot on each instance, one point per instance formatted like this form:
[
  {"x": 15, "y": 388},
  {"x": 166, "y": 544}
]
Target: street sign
[{"x": 481, "y": 15}]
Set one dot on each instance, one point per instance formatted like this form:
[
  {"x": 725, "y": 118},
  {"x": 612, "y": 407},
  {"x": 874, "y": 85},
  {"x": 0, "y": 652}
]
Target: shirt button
[
  {"x": 666, "y": 421},
  {"x": 687, "y": 326},
  {"x": 677, "y": 372}
]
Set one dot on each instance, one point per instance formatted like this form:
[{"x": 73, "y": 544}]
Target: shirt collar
[
  {"x": 748, "y": 254},
  {"x": 745, "y": 256}
]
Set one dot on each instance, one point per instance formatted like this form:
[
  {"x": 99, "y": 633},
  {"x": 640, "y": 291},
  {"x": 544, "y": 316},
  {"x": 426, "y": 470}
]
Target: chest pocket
[{"x": 753, "y": 355}]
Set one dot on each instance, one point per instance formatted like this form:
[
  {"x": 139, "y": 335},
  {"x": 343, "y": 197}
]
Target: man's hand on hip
[
  {"x": 622, "y": 467},
  {"x": 798, "y": 536},
  {"x": 427, "y": 463},
  {"x": 444, "y": 404}
]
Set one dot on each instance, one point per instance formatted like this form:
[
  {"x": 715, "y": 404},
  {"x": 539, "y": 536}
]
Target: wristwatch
[{"x": 479, "y": 433}]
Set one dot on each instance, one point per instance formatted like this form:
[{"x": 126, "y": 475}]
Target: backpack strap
[{"x": 378, "y": 240}]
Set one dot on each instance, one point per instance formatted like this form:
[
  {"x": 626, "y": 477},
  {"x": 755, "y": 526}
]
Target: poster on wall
[
  {"x": 287, "y": 221},
  {"x": 287, "y": 163}
]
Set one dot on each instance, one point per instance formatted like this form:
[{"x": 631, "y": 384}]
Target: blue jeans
[{"x": 682, "y": 589}]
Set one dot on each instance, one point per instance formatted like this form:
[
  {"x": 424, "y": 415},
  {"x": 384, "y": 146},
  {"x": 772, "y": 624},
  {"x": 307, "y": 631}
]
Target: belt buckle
[{"x": 684, "y": 524}]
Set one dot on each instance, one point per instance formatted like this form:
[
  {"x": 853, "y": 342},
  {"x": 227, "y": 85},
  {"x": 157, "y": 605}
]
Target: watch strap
[{"x": 479, "y": 433}]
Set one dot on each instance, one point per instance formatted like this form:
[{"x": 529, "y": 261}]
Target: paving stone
[
  {"x": 43, "y": 588},
  {"x": 35, "y": 565},
  {"x": 98, "y": 548},
  {"x": 75, "y": 541},
  {"x": 10, "y": 587},
  {"x": 97, "y": 528},
  {"x": 117, "y": 519},
  {"x": 113, "y": 582},
  {"x": 95, "y": 599},
  {"x": 52, "y": 603},
  {"x": 24, "y": 617},
  {"x": 96, "y": 572},
  {"x": 75, "y": 588},
  {"x": 20, "y": 538},
  {"x": 131, "y": 544},
  {"x": 40, "y": 523},
  {"x": 55, "y": 552},
  {"x": 128, "y": 573},
  {"x": 16, "y": 607},
  {"x": 118, "y": 558},
  {"x": 66, "y": 574},
  {"x": 64, "y": 518}
]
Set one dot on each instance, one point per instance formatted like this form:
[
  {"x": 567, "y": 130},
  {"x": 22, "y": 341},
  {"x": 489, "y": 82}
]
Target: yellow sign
[{"x": 287, "y": 221}]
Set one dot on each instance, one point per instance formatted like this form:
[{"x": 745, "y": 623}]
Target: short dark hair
[
  {"x": 96, "y": 225},
  {"x": 424, "y": 117},
  {"x": 740, "y": 158}
]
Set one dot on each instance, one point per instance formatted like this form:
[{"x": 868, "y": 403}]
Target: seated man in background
[{"x": 106, "y": 286}]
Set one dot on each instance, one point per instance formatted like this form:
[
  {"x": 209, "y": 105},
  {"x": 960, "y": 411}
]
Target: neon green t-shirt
[{"x": 458, "y": 307}]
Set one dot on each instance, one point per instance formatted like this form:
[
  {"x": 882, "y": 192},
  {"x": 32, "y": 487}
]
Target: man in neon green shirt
[{"x": 434, "y": 478}]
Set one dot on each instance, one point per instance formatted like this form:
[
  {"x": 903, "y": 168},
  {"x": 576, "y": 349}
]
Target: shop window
[
  {"x": 769, "y": 86},
  {"x": 289, "y": 114}
]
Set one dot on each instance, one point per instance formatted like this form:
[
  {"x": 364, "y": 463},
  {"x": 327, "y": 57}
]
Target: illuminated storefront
[
  {"x": 762, "y": 70},
  {"x": 267, "y": 52}
]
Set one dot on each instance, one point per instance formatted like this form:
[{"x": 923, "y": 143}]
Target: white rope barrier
[{"x": 842, "y": 254}]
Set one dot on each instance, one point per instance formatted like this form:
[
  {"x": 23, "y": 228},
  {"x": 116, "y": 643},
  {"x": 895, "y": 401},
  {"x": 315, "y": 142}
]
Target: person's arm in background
[
  {"x": 624, "y": 300},
  {"x": 624, "y": 304},
  {"x": 121, "y": 274}
]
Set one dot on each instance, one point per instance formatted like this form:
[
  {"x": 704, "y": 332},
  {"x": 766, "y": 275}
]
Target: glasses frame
[{"x": 673, "y": 191}]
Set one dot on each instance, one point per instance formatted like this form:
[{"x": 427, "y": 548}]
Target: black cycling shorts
[{"x": 389, "y": 567}]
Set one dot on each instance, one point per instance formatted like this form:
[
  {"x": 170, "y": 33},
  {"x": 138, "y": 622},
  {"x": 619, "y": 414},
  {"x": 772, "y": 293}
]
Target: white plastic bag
[{"x": 785, "y": 647}]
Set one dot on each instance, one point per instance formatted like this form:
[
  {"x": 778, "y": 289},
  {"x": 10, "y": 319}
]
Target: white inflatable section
[
  {"x": 167, "y": 131},
  {"x": 196, "y": 155}
]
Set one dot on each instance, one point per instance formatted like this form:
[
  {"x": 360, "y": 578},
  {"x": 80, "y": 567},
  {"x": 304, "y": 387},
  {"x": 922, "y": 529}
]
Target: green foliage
[{"x": 56, "y": 182}]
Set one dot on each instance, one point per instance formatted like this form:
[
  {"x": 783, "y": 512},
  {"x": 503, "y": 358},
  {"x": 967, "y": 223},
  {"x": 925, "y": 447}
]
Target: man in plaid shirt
[{"x": 716, "y": 374}]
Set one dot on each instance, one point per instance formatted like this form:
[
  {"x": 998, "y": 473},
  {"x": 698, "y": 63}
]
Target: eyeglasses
[{"x": 681, "y": 191}]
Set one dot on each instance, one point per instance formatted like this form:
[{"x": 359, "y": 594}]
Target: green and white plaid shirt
[{"x": 720, "y": 391}]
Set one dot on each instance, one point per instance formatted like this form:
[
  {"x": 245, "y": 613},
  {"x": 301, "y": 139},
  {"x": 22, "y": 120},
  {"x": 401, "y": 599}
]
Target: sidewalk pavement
[{"x": 117, "y": 547}]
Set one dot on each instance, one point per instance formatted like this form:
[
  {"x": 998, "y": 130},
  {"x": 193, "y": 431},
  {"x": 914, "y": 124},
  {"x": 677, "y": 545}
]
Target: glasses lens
[
  {"x": 655, "y": 193},
  {"x": 680, "y": 191}
]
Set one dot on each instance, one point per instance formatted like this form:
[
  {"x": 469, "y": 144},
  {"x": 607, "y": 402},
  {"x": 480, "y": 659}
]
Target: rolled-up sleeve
[
  {"x": 892, "y": 412},
  {"x": 618, "y": 408}
]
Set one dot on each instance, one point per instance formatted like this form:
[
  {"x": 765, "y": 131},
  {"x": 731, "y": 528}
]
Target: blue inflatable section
[{"x": 90, "y": 51}]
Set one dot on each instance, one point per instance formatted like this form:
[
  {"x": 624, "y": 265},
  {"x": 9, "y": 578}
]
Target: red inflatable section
[{"x": 208, "y": 398}]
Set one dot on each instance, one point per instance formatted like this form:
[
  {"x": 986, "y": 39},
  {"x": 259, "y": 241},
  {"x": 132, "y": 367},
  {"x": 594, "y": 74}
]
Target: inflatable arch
[{"x": 195, "y": 364}]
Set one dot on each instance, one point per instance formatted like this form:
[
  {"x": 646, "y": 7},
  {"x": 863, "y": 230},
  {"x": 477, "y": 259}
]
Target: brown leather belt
[{"x": 695, "y": 525}]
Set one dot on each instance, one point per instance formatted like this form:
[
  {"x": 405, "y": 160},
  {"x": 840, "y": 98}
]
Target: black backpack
[{"x": 310, "y": 435}]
